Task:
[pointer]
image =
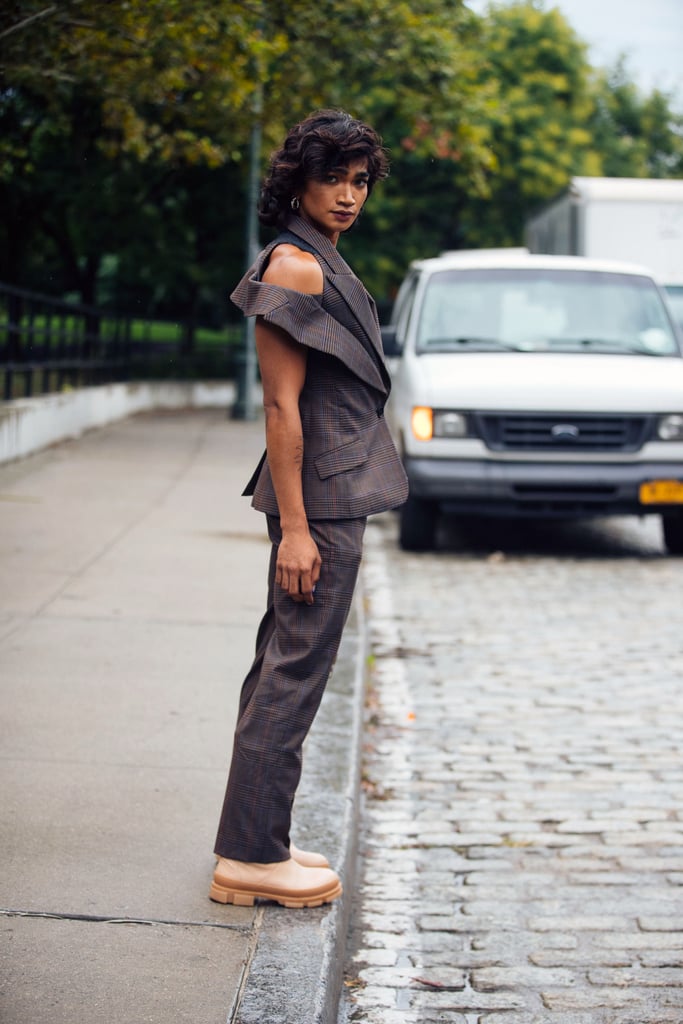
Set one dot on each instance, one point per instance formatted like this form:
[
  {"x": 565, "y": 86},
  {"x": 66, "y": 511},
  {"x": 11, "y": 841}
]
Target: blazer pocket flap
[{"x": 339, "y": 460}]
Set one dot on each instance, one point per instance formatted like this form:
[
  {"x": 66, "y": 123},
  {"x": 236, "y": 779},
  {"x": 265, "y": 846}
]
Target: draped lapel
[
  {"x": 310, "y": 322},
  {"x": 361, "y": 311}
]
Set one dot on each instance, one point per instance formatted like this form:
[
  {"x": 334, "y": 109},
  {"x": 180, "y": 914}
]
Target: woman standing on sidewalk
[{"x": 329, "y": 463}]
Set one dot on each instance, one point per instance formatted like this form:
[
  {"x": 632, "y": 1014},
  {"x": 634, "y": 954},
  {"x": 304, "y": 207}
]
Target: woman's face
[{"x": 333, "y": 204}]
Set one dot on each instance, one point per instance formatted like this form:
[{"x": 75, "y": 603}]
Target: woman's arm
[{"x": 282, "y": 362}]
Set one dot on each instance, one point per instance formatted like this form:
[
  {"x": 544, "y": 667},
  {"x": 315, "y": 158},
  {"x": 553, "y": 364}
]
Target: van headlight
[
  {"x": 449, "y": 424},
  {"x": 427, "y": 423},
  {"x": 670, "y": 427}
]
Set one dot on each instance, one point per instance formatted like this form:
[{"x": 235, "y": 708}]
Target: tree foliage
[
  {"x": 538, "y": 124},
  {"x": 637, "y": 136},
  {"x": 125, "y": 128},
  {"x": 121, "y": 100},
  {"x": 172, "y": 80},
  {"x": 177, "y": 81}
]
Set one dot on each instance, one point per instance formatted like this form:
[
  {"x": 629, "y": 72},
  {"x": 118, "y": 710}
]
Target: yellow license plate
[{"x": 661, "y": 492}]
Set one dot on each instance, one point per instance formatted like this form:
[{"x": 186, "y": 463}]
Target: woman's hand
[{"x": 298, "y": 566}]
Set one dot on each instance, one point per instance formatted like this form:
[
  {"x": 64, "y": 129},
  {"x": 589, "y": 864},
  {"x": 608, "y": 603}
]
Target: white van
[{"x": 535, "y": 386}]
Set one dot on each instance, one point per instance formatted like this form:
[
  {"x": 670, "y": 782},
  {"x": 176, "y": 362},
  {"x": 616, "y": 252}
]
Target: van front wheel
[
  {"x": 673, "y": 533},
  {"x": 417, "y": 528}
]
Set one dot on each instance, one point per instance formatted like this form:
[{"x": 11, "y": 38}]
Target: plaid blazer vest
[{"x": 351, "y": 468}]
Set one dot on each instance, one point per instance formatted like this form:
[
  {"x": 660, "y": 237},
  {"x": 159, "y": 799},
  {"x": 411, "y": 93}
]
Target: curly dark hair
[{"x": 322, "y": 141}]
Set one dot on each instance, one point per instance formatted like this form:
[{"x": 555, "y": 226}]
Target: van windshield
[{"x": 533, "y": 309}]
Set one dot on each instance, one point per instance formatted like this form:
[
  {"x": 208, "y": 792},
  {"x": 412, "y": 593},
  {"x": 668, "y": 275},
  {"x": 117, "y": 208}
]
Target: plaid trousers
[{"x": 296, "y": 646}]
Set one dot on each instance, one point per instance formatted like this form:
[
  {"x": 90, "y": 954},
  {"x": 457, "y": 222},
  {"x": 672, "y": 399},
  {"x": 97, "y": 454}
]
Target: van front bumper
[{"x": 562, "y": 490}]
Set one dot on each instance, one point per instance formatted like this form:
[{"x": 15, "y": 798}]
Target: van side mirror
[{"x": 390, "y": 342}]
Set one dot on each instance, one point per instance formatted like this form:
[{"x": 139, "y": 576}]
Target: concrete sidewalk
[{"x": 133, "y": 578}]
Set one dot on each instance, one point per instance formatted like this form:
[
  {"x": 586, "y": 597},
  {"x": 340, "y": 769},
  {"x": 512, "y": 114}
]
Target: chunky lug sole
[{"x": 294, "y": 901}]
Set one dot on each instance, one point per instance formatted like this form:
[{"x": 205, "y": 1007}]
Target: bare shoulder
[{"x": 292, "y": 268}]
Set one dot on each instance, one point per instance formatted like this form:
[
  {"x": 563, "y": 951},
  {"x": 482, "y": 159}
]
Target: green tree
[
  {"x": 110, "y": 116},
  {"x": 415, "y": 77},
  {"x": 107, "y": 106},
  {"x": 177, "y": 81},
  {"x": 637, "y": 135},
  {"x": 124, "y": 132},
  {"x": 173, "y": 80},
  {"x": 540, "y": 135}
]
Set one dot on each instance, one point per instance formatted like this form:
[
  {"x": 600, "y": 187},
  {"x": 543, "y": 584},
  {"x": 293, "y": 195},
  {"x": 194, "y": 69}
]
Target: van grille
[{"x": 559, "y": 432}]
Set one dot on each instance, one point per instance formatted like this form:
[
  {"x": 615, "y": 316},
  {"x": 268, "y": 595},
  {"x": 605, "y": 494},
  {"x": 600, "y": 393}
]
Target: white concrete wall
[{"x": 29, "y": 424}]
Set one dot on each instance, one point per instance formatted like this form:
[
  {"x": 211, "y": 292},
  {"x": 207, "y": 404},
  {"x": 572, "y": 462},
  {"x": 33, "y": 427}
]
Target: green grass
[
  {"x": 160, "y": 331},
  {"x": 168, "y": 331}
]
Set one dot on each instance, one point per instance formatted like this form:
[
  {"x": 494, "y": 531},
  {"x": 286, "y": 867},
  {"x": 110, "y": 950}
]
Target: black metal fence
[{"x": 47, "y": 344}]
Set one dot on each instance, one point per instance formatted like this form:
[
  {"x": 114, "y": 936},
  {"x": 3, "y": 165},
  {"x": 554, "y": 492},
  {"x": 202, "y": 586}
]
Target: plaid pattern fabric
[
  {"x": 296, "y": 646},
  {"x": 351, "y": 468}
]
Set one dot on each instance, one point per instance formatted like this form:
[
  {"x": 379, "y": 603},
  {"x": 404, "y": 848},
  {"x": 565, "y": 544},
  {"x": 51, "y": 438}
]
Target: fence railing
[{"x": 47, "y": 344}]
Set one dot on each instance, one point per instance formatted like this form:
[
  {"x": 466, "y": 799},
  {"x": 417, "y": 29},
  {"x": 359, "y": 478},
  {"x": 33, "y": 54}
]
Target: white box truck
[{"x": 634, "y": 219}]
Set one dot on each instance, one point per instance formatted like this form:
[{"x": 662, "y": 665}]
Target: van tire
[
  {"x": 673, "y": 533},
  {"x": 417, "y": 524}
]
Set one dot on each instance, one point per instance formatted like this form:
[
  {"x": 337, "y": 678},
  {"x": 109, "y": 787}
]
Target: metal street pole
[{"x": 244, "y": 407}]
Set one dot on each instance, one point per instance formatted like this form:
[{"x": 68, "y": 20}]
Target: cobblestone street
[{"x": 521, "y": 847}]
